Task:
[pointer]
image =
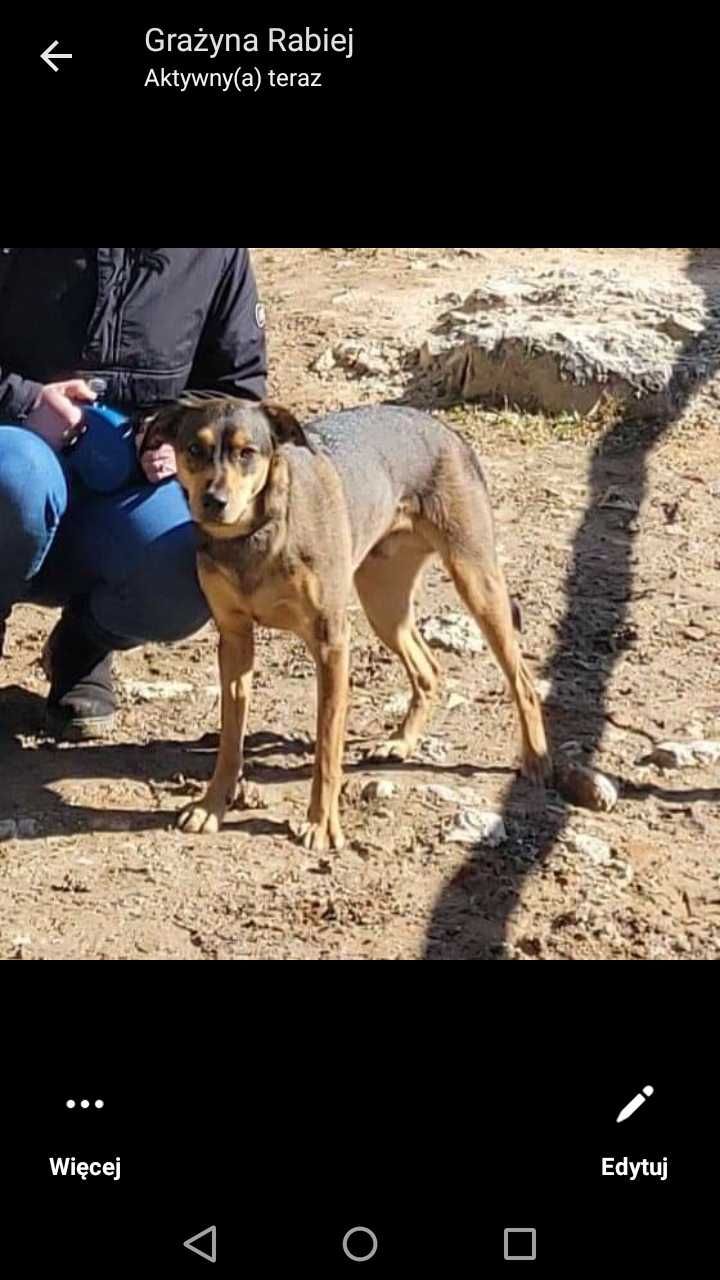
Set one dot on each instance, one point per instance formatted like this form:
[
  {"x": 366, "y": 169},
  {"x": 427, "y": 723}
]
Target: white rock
[
  {"x": 363, "y": 358},
  {"x": 560, "y": 342},
  {"x": 453, "y": 632},
  {"x": 456, "y": 700},
  {"x": 380, "y": 790},
  {"x": 598, "y": 851},
  {"x": 156, "y": 690},
  {"x": 683, "y": 755},
  {"x": 477, "y": 826},
  {"x": 324, "y": 363},
  {"x": 397, "y": 705},
  {"x": 8, "y": 829}
]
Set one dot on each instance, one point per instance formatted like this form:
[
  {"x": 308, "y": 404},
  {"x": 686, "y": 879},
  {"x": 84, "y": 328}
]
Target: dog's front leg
[
  {"x": 236, "y": 657},
  {"x": 331, "y": 654}
]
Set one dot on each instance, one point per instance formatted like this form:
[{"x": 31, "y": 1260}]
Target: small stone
[
  {"x": 379, "y": 790},
  {"x": 456, "y": 700},
  {"x": 156, "y": 690},
  {"x": 625, "y": 869},
  {"x": 363, "y": 359},
  {"x": 585, "y": 787},
  {"x": 475, "y": 827},
  {"x": 397, "y": 705},
  {"x": 453, "y": 632},
  {"x": 683, "y": 755},
  {"x": 8, "y": 829},
  {"x": 694, "y": 633},
  {"x": 591, "y": 847},
  {"x": 433, "y": 749},
  {"x": 250, "y": 796},
  {"x": 324, "y": 362}
]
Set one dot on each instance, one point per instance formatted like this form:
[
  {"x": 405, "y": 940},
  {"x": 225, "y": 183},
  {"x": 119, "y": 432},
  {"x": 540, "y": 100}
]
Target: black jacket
[{"x": 152, "y": 322}]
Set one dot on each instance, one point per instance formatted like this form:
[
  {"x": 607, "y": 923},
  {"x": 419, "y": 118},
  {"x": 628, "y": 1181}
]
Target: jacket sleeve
[
  {"x": 17, "y": 396},
  {"x": 231, "y": 356}
]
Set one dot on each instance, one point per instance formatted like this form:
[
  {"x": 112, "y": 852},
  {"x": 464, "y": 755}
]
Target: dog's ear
[
  {"x": 285, "y": 427},
  {"x": 162, "y": 424}
]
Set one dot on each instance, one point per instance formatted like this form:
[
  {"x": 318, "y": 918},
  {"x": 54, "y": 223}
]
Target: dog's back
[{"x": 388, "y": 455}]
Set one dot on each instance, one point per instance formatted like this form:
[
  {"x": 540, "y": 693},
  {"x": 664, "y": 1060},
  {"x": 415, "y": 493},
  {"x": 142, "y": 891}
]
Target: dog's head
[{"x": 224, "y": 450}]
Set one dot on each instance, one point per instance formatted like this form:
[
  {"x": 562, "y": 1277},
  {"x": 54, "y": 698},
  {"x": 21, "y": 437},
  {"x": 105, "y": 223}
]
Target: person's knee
[
  {"x": 162, "y": 601},
  {"x": 33, "y": 494},
  {"x": 30, "y": 473},
  {"x": 175, "y": 603}
]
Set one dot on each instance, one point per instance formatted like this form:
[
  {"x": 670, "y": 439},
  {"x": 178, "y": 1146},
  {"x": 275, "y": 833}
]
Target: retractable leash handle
[{"x": 103, "y": 455}]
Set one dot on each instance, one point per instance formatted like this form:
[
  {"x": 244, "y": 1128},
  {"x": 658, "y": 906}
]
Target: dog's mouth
[{"x": 229, "y": 518}]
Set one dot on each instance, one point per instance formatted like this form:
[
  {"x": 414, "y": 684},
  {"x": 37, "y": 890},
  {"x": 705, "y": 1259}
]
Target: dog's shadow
[{"x": 31, "y": 767}]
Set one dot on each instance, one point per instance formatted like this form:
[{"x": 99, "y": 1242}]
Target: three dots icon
[{"x": 84, "y": 1104}]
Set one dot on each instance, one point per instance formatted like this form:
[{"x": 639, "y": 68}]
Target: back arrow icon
[
  {"x": 210, "y": 1254},
  {"x": 48, "y": 55}
]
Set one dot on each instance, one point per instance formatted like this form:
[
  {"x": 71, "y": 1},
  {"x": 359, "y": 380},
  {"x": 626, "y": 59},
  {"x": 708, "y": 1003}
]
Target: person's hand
[
  {"x": 157, "y": 459},
  {"x": 159, "y": 463},
  {"x": 57, "y": 411}
]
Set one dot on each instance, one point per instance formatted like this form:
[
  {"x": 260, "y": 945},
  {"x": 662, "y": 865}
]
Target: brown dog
[{"x": 290, "y": 517}]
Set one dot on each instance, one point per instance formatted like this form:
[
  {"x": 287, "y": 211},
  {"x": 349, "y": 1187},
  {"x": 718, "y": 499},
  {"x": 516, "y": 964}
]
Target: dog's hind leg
[
  {"x": 386, "y": 583},
  {"x": 481, "y": 585}
]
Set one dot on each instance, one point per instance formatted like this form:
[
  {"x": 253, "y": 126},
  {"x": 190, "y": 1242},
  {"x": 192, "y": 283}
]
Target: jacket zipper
[{"x": 125, "y": 285}]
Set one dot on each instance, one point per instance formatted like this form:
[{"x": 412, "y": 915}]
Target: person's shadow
[
  {"x": 31, "y": 774},
  {"x": 469, "y": 919}
]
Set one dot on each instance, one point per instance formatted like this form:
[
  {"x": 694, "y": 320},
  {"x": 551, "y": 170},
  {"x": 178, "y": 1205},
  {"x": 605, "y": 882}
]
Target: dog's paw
[
  {"x": 203, "y": 817},
  {"x": 394, "y": 751},
  {"x": 319, "y": 836}
]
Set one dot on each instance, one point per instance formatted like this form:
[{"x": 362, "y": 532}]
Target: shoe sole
[{"x": 86, "y": 729}]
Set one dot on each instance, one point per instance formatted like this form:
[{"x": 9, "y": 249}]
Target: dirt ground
[{"x": 608, "y": 534}]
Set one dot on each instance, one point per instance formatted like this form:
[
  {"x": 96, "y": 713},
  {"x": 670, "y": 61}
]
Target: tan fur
[{"x": 283, "y": 558}]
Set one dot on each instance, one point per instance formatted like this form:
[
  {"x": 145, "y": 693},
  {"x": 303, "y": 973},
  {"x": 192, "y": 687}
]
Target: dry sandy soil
[{"x": 608, "y": 533}]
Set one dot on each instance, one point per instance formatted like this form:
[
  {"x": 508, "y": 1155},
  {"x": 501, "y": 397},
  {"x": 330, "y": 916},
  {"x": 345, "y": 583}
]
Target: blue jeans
[{"x": 131, "y": 555}]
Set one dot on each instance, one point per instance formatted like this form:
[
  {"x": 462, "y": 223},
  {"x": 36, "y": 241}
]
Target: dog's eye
[
  {"x": 195, "y": 451},
  {"x": 245, "y": 455}
]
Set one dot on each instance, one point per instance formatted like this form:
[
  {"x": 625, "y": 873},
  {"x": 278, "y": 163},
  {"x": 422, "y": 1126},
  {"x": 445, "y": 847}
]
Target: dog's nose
[{"x": 214, "y": 506}]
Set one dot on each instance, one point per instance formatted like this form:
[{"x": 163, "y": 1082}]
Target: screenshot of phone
[{"x": 356, "y": 604}]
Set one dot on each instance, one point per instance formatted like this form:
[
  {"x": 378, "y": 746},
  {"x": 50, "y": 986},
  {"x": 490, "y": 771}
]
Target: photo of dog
[{"x": 290, "y": 518}]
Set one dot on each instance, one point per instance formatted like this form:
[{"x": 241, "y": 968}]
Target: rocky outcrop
[{"x": 563, "y": 342}]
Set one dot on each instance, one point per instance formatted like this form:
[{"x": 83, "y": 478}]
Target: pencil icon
[{"x": 636, "y": 1103}]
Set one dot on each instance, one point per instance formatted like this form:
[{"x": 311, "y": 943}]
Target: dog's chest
[{"x": 272, "y": 595}]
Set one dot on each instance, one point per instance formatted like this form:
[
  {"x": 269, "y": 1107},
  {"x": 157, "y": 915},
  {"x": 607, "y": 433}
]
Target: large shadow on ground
[
  {"x": 470, "y": 918},
  {"x": 32, "y": 768}
]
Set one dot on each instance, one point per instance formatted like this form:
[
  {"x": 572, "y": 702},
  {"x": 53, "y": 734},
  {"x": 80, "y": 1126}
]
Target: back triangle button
[{"x": 209, "y": 1236}]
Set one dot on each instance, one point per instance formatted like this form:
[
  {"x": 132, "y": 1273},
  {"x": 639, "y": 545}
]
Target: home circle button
[{"x": 360, "y": 1244}]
